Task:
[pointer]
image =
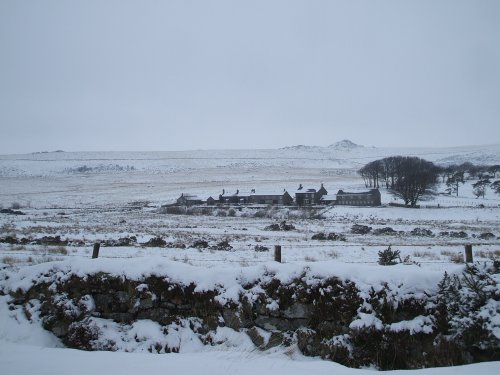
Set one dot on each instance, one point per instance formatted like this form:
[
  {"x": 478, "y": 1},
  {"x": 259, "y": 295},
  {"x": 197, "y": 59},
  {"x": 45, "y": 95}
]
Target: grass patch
[
  {"x": 10, "y": 260},
  {"x": 58, "y": 250}
]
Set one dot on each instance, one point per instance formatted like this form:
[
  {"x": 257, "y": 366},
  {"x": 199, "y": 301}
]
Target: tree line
[{"x": 410, "y": 178}]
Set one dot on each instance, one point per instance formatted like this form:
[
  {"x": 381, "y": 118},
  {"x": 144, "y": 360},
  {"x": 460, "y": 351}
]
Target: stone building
[{"x": 367, "y": 198}]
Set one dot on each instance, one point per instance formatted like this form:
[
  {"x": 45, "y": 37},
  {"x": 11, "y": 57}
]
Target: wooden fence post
[
  {"x": 95, "y": 253},
  {"x": 468, "y": 253},
  {"x": 277, "y": 253}
]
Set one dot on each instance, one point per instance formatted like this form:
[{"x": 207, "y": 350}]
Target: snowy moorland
[{"x": 69, "y": 201}]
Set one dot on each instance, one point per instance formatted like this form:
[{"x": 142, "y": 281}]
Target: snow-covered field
[{"x": 89, "y": 197}]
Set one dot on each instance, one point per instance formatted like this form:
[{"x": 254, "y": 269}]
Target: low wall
[{"x": 387, "y": 325}]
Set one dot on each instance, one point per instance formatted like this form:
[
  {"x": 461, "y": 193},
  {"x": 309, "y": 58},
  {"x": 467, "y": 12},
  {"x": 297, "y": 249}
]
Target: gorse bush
[
  {"x": 468, "y": 308},
  {"x": 388, "y": 257}
]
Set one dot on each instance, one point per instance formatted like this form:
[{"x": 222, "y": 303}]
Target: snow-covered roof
[
  {"x": 268, "y": 192},
  {"x": 191, "y": 197},
  {"x": 369, "y": 192},
  {"x": 194, "y": 197},
  {"x": 329, "y": 197},
  {"x": 237, "y": 194},
  {"x": 306, "y": 190}
]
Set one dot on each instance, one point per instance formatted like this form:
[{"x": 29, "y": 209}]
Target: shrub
[
  {"x": 223, "y": 245},
  {"x": 422, "y": 232},
  {"x": 330, "y": 237},
  {"x": 467, "y": 312},
  {"x": 200, "y": 244},
  {"x": 155, "y": 242},
  {"x": 319, "y": 236},
  {"x": 58, "y": 250},
  {"x": 261, "y": 248},
  {"x": 360, "y": 229},
  {"x": 388, "y": 257},
  {"x": 384, "y": 231},
  {"x": 260, "y": 214},
  {"x": 174, "y": 210},
  {"x": 487, "y": 236}
]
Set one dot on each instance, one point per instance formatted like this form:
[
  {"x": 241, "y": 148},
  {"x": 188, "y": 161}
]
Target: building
[
  {"x": 271, "y": 197},
  {"x": 189, "y": 200},
  {"x": 328, "y": 199},
  {"x": 236, "y": 198},
  {"x": 211, "y": 201},
  {"x": 367, "y": 198},
  {"x": 309, "y": 196}
]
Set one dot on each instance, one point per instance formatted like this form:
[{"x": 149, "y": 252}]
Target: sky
[{"x": 175, "y": 75}]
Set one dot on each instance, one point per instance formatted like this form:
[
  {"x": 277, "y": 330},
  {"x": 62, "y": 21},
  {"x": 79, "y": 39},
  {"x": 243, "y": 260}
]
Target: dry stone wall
[{"x": 331, "y": 318}]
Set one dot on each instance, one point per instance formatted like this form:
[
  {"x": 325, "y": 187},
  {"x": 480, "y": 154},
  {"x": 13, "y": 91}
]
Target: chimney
[
  {"x": 237, "y": 191},
  {"x": 300, "y": 187},
  {"x": 223, "y": 191}
]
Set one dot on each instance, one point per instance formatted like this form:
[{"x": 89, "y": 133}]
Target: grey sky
[{"x": 171, "y": 75}]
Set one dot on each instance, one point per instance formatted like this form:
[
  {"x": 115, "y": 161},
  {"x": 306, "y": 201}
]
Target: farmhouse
[
  {"x": 309, "y": 196},
  {"x": 368, "y": 198},
  {"x": 271, "y": 197}
]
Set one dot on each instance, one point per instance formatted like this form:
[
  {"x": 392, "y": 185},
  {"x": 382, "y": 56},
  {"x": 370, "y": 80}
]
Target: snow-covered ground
[{"x": 88, "y": 197}]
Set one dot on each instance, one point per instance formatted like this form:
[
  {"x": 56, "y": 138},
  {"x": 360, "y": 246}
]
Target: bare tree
[
  {"x": 408, "y": 178},
  {"x": 415, "y": 178}
]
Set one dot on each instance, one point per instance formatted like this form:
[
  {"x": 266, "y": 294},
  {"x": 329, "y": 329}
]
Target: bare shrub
[
  {"x": 261, "y": 248},
  {"x": 425, "y": 254},
  {"x": 260, "y": 214},
  {"x": 174, "y": 210},
  {"x": 15, "y": 206},
  {"x": 58, "y": 250},
  {"x": 9, "y": 260},
  {"x": 194, "y": 211},
  {"x": 360, "y": 229},
  {"x": 332, "y": 254},
  {"x": 155, "y": 242},
  {"x": 487, "y": 236},
  {"x": 206, "y": 211},
  {"x": 457, "y": 258}
]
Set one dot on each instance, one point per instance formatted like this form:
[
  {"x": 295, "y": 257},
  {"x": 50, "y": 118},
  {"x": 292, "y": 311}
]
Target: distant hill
[
  {"x": 344, "y": 157},
  {"x": 345, "y": 145}
]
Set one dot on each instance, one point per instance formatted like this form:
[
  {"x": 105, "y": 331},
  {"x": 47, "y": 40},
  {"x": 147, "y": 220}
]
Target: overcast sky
[{"x": 173, "y": 75}]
